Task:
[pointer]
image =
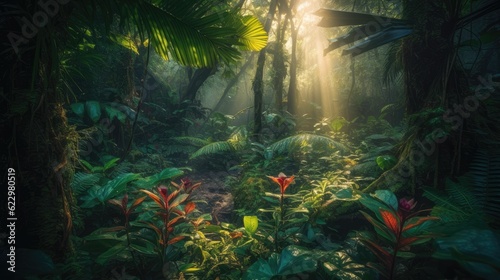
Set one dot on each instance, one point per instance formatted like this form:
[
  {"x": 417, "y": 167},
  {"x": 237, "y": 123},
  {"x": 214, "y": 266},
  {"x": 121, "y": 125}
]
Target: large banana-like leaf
[
  {"x": 387, "y": 35},
  {"x": 333, "y": 18}
]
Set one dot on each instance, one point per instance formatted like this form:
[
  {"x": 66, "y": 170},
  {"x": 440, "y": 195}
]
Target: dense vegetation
[{"x": 372, "y": 155}]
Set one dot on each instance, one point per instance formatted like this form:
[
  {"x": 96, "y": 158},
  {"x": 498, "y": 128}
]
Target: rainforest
[{"x": 250, "y": 139}]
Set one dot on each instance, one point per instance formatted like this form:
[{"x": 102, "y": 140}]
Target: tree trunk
[
  {"x": 257, "y": 84},
  {"x": 196, "y": 81},
  {"x": 233, "y": 81},
  {"x": 292, "y": 87}
]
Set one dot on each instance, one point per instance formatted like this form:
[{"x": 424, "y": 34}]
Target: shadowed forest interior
[{"x": 250, "y": 139}]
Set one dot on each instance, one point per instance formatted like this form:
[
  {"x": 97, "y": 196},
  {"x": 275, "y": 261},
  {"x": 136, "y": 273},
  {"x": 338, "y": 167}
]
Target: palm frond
[
  {"x": 190, "y": 33},
  {"x": 296, "y": 141}
]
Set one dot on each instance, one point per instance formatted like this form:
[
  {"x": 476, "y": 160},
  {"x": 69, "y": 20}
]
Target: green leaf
[
  {"x": 387, "y": 197},
  {"x": 110, "y": 190},
  {"x": 386, "y": 162},
  {"x": 124, "y": 41},
  {"x": 189, "y": 267},
  {"x": 477, "y": 250},
  {"x": 251, "y": 34},
  {"x": 251, "y": 223},
  {"x": 115, "y": 113},
  {"x": 110, "y": 254},
  {"x": 78, "y": 109},
  {"x": 292, "y": 260},
  {"x": 93, "y": 110},
  {"x": 144, "y": 246},
  {"x": 153, "y": 180},
  {"x": 344, "y": 194},
  {"x": 334, "y": 18},
  {"x": 111, "y": 163}
]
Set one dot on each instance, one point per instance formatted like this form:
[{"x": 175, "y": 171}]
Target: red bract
[{"x": 283, "y": 181}]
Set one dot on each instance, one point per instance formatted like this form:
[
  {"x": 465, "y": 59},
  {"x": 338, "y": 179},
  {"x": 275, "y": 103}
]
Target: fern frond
[
  {"x": 177, "y": 149},
  {"x": 296, "y": 141},
  {"x": 462, "y": 195},
  {"x": 83, "y": 181},
  {"x": 447, "y": 209},
  {"x": 213, "y": 148},
  {"x": 121, "y": 169},
  {"x": 188, "y": 140},
  {"x": 484, "y": 180}
]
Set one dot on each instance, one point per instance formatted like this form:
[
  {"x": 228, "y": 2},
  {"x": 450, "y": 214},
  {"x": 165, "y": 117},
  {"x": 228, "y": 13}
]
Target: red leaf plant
[
  {"x": 398, "y": 228},
  {"x": 173, "y": 206}
]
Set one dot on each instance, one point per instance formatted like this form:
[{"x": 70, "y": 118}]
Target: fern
[
  {"x": 177, "y": 149},
  {"x": 297, "y": 141},
  {"x": 484, "y": 180},
  {"x": 213, "y": 148},
  {"x": 193, "y": 141},
  {"x": 83, "y": 181},
  {"x": 476, "y": 194},
  {"x": 121, "y": 169}
]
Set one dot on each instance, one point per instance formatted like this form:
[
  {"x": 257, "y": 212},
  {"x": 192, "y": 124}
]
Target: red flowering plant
[
  {"x": 283, "y": 181},
  {"x": 170, "y": 211},
  {"x": 397, "y": 225},
  {"x": 282, "y": 213}
]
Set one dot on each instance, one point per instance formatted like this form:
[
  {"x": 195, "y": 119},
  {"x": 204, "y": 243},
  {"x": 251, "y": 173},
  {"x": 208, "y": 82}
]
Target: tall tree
[{"x": 258, "y": 85}]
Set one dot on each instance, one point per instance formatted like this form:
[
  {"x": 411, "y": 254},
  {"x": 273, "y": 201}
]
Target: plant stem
[{"x": 395, "y": 253}]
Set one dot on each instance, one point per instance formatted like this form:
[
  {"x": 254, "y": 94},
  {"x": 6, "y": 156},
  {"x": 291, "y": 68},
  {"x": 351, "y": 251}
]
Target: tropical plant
[
  {"x": 292, "y": 260},
  {"x": 476, "y": 250},
  {"x": 395, "y": 225}
]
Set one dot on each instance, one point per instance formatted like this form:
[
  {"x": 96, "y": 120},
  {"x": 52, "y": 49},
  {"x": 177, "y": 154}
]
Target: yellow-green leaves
[{"x": 251, "y": 224}]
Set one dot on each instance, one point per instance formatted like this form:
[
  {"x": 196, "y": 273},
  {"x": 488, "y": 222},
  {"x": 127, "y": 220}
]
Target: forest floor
[{"x": 213, "y": 196}]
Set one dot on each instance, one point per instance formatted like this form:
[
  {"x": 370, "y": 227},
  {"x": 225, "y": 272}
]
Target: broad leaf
[
  {"x": 334, "y": 18},
  {"x": 78, "y": 109},
  {"x": 251, "y": 223},
  {"x": 93, "y": 110}
]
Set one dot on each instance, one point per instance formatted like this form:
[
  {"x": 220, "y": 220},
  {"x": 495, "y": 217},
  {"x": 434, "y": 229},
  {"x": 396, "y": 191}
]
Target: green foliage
[
  {"x": 96, "y": 169},
  {"x": 163, "y": 176},
  {"x": 95, "y": 109},
  {"x": 294, "y": 142},
  {"x": 475, "y": 250},
  {"x": 251, "y": 224},
  {"x": 192, "y": 32},
  {"x": 321, "y": 198},
  {"x": 100, "y": 194},
  {"x": 213, "y": 148},
  {"x": 472, "y": 198},
  {"x": 386, "y": 162},
  {"x": 341, "y": 265},
  {"x": 236, "y": 141},
  {"x": 293, "y": 260},
  {"x": 82, "y": 181}
]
